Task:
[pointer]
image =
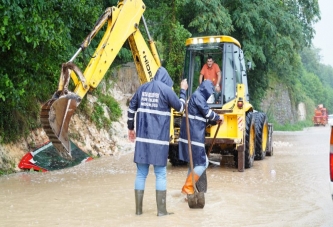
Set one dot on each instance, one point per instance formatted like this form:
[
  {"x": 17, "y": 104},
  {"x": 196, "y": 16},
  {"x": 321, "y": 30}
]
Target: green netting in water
[{"x": 47, "y": 157}]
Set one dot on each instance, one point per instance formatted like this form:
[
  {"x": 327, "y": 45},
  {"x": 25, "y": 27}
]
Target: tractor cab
[{"x": 226, "y": 52}]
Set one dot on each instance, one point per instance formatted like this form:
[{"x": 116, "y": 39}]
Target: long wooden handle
[{"x": 189, "y": 145}]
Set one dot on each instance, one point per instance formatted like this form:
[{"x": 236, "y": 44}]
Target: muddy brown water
[{"x": 290, "y": 188}]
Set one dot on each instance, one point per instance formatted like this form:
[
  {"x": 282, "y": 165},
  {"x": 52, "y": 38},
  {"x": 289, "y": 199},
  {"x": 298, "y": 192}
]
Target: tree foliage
[
  {"x": 35, "y": 38},
  {"x": 318, "y": 79},
  {"x": 202, "y": 17},
  {"x": 272, "y": 34}
]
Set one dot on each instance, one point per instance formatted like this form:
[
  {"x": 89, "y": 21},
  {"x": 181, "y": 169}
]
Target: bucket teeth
[{"x": 55, "y": 117}]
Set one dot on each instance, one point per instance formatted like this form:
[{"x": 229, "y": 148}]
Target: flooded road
[{"x": 290, "y": 188}]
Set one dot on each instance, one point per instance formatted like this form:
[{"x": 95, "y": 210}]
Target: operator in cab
[{"x": 211, "y": 71}]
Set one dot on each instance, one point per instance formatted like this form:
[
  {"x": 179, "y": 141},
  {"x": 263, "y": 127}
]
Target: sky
[{"x": 324, "y": 32}]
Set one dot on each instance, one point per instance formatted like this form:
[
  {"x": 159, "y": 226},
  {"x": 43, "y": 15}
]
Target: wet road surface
[{"x": 291, "y": 188}]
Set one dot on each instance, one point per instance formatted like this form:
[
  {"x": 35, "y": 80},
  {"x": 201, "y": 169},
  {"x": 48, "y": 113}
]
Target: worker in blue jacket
[
  {"x": 152, "y": 105},
  {"x": 198, "y": 114}
]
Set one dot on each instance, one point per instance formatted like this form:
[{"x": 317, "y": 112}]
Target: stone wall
[{"x": 277, "y": 103}]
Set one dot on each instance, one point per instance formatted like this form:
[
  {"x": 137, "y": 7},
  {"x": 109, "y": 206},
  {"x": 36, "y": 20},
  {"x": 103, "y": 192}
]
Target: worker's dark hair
[{"x": 209, "y": 57}]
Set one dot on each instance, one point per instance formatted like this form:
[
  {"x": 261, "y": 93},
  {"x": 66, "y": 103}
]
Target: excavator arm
[{"x": 122, "y": 25}]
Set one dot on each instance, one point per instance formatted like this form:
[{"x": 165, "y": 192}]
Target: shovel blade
[{"x": 196, "y": 200}]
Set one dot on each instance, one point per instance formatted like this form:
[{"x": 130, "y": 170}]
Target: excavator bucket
[{"x": 55, "y": 117}]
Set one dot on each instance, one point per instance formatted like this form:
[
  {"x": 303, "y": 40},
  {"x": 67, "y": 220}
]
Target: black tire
[
  {"x": 249, "y": 140},
  {"x": 174, "y": 157},
  {"x": 269, "y": 153},
  {"x": 261, "y": 129}
]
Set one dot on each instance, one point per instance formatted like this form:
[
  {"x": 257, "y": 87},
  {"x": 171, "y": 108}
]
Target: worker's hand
[
  {"x": 211, "y": 123},
  {"x": 220, "y": 121},
  {"x": 131, "y": 135},
  {"x": 183, "y": 84},
  {"x": 217, "y": 88}
]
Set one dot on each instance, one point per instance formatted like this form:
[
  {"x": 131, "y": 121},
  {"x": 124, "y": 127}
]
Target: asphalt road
[{"x": 290, "y": 188}]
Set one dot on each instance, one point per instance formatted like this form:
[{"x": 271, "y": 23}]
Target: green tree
[
  {"x": 165, "y": 27},
  {"x": 313, "y": 87},
  {"x": 35, "y": 38},
  {"x": 272, "y": 34},
  {"x": 202, "y": 17},
  {"x": 324, "y": 73},
  {"x": 311, "y": 59}
]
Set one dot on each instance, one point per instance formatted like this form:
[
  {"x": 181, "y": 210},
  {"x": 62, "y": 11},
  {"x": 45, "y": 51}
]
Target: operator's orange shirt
[{"x": 210, "y": 73}]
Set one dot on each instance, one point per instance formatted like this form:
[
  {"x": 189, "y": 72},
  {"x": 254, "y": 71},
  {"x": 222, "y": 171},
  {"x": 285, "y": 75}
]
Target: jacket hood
[
  {"x": 163, "y": 76},
  {"x": 206, "y": 88}
]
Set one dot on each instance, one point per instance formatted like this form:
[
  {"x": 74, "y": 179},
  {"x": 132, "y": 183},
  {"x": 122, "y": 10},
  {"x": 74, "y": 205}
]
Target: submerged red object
[
  {"x": 28, "y": 163},
  {"x": 45, "y": 158}
]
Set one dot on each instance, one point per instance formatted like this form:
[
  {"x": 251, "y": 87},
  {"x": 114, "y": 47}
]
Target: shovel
[{"x": 196, "y": 200}]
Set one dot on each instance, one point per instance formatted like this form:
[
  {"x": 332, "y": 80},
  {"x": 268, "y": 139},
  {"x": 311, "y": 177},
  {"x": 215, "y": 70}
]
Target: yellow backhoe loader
[{"x": 245, "y": 134}]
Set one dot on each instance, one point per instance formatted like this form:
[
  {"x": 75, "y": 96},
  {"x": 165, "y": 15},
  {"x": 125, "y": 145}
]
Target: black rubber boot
[
  {"x": 138, "y": 201},
  {"x": 202, "y": 183},
  {"x": 161, "y": 203}
]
